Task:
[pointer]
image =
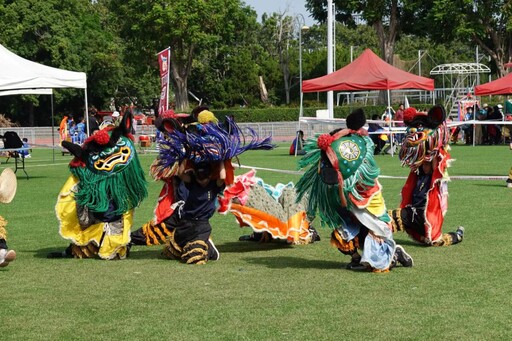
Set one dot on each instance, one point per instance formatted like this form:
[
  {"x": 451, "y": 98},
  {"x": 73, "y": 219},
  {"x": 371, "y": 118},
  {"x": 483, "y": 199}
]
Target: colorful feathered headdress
[{"x": 426, "y": 134}]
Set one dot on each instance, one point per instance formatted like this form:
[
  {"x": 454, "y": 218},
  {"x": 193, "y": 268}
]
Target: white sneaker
[
  {"x": 6, "y": 256},
  {"x": 509, "y": 184},
  {"x": 213, "y": 253}
]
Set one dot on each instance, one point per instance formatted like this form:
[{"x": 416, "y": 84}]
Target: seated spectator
[
  {"x": 298, "y": 142},
  {"x": 25, "y": 153},
  {"x": 379, "y": 140}
]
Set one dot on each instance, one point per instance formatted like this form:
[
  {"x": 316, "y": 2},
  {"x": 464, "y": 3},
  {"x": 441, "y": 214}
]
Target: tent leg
[
  {"x": 53, "y": 131},
  {"x": 391, "y": 132},
  {"x": 87, "y": 112}
]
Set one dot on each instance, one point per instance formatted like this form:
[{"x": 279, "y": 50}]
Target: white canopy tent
[
  {"x": 19, "y": 73},
  {"x": 21, "y": 76}
]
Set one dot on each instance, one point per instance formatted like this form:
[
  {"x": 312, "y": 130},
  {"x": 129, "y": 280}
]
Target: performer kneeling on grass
[
  {"x": 190, "y": 228},
  {"x": 96, "y": 204},
  {"x": 7, "y": 191},
  {"x": 341, "y": 185},
  {"x": 425, "y": 193}
]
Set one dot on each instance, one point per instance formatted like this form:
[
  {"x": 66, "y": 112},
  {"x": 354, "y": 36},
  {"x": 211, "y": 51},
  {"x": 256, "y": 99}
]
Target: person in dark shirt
[
  {"x": 413, "y": 216},
  {"x": 297, "y": 146},
  {"x": 379, "y": 140},
  {"x": 190, "y": 240}
]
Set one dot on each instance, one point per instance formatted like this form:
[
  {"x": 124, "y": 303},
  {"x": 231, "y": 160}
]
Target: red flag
[{"x": 163, "y": 62}]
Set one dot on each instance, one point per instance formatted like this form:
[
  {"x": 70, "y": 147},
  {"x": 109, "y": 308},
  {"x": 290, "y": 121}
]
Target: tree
[
  {"x": 487, "y": 24},
  {"x": 62, "y": 34},
  {"x": 227, "y": 73},
  {"x": 185, "y": 25},
  {"x": 383, "y": 15}
]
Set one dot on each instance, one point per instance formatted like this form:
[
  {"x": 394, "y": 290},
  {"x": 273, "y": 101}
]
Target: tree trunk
[
  {"x": 263, "y": 91},
  {"x": 181, "y": 94},
  {"x": 387, "y": 41},
  {"x": 180, "y": 69},
  {"x": 286, "y": 78}
]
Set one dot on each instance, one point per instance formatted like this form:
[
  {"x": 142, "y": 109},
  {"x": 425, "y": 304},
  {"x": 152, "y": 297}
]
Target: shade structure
[
  {"x": 367, "y": 72},
  {"x": 500, "y": 86},
  {"x": 21, "y": 76},
  {"x": 41, "y": 91},
  {"x": 19, "y": 73}
]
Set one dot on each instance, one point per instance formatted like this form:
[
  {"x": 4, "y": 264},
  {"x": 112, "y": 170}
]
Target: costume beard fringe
[{"x": 125, "y": 190}]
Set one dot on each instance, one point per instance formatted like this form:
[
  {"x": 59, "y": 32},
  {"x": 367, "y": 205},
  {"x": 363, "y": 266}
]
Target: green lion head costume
[
  {"x": 108, "y": 170},
  {"x": 341, "y": 169}
]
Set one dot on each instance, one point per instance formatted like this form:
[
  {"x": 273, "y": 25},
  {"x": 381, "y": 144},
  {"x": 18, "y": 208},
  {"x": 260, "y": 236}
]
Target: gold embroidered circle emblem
[{"x": 349, "y": 150}]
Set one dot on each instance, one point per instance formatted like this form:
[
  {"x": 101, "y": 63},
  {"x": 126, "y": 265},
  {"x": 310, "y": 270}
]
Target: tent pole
[
  {"x": 87, "y": 112},
  {"x": 53, "y": 129},
  {"x": 391, "y": 132}
]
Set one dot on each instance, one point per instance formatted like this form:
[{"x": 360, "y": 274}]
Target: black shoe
[
  {"x": 314, "y": 234},
  {"x": 402, "y": 257},
  {"x": 460, "y": 233},
  {"x": 355, "y": 264},
  {"x": 61, "y": 254},
  {"x": 253, "y": 237},
  {"x": 213, "y": 253},
  {"x": 245, "y": 238},
  {"x": 58, "y": 254}
]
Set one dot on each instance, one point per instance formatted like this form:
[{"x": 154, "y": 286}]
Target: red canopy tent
[
  {"x": 500, "y": 86},
  {"x": 367, "y": 72}
]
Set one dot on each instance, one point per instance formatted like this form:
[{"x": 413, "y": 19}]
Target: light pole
[{"x": 302, "y": 27}]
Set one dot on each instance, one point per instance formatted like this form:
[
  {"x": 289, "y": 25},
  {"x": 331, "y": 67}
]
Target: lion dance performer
[
  {"x": 186, "y": 145},
  {"x": 342, "y": 184},
  {"x": 95, "y": 206},
  {"x": 425, "y": 193},
  {"x": 271, "y": 212},
  {"x": 8, "y": 184}
]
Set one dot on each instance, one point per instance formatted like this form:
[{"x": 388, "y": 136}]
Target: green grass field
[{"x": 263, "y": 291}]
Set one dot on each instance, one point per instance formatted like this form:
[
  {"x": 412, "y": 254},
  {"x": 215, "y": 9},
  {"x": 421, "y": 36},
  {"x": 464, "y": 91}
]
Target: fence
[{"x": 280, "y": 131}]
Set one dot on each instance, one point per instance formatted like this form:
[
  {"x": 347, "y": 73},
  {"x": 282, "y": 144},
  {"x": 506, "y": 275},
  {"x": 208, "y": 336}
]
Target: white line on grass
[{"x": 457, "y": 177}]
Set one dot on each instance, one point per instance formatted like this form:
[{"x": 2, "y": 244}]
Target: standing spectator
[
  {"x": 115, "y": 116},
  {"x": 494, "y": 130},
  {"x": 134, "y": 126},
  {"x": 93, "y": 121},
  {"x": 399, "y": 116},
  {"x": 388, "y": 114},
  {"x": 468, "y": 128},
  {"x": 80, "y": 130},
  {"x": 73, "y": 132}
]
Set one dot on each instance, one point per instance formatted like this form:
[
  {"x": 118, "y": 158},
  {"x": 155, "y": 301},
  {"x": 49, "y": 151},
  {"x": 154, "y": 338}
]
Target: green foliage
[
  {"x": 64, "y": 34},
  {"x": 285, "y": 114},
  {"x": 220, "y": 52}
]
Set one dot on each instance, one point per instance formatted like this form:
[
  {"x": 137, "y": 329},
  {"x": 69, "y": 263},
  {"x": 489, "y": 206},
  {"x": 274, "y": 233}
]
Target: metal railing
[{"x": 280, "y": 131}]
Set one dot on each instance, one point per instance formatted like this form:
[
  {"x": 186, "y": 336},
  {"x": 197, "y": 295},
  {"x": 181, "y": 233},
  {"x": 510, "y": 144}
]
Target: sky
[{"x": 292, "y": 7}]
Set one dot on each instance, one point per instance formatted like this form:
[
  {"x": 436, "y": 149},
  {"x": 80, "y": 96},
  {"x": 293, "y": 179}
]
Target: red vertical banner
[{"x": 163, "y": 62}]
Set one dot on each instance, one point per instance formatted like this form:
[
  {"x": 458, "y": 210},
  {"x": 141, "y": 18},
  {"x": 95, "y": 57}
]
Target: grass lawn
[{"x": 263, "y": 291}]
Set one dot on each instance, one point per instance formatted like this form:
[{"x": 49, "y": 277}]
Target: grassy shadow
[
  {"x": 241, "y": 247},
  {"x": 295, "y": 262}
]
